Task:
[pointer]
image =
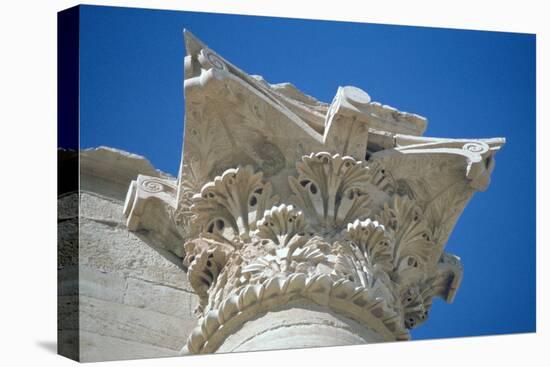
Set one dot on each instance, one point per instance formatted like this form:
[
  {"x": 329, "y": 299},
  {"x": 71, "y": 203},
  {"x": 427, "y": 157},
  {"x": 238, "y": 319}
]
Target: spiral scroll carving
[
  {"x": 210, "y": 59},
  {"x": 152, "y": 186},
  {"x": 476, "y": 147}
]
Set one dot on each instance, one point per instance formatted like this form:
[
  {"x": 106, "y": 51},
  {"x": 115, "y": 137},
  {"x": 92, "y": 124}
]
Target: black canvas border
[{"x": 68, "y": 55}]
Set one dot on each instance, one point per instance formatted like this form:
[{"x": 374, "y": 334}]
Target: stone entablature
[{"x": 282, "y": 198}]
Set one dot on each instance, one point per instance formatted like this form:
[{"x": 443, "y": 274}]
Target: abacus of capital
[{"x": 302, "y": 223}]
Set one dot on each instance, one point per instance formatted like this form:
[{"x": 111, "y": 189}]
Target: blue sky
[{"x": 469, "y": 84}]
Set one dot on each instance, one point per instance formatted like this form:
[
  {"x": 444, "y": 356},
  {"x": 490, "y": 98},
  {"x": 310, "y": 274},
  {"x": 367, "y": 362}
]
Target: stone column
[
  {"x": 298, "y": 324},
  {"x": 302, "y": 223}
]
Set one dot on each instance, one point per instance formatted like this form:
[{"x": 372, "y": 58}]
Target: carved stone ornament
[{"x": 282, "y": 199}]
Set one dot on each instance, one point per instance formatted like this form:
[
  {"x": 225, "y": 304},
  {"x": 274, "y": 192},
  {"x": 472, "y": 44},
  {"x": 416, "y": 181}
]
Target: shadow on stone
[{"x": 50, "y": 346}]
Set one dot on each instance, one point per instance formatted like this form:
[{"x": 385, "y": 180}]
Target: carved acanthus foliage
[
  {"x": 289, "y": 260},
  {"x": 382, "y": 179},
  {"x": 413, "y": 238},
  {"x": 383, "y": 264},
  {"x": 281, "y": 223},
  {"x": 205, "y": 260},
  {"x": 331, "y": 189},
  {"x": 443, "y": 282},
  {"x": 227, "y": 208},
  {"x": 379, "y": 261},
  {"x": 373, "y": 242},
  {"x": 187, "y": 188}
]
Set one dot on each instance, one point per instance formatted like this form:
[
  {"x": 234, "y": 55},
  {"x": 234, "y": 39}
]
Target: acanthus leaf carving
[
  {"x": 413, "y": 237},
  {"x": 204, "y": 260},
  {"x": 443, "y": 282},
  {"x": 373, "y": 241},
  {"x": 227, "y": 208},
  {"x": 246, "y": 240},
  {"x": 281, "y": 223},
  {"x": 332, "y": 189}
]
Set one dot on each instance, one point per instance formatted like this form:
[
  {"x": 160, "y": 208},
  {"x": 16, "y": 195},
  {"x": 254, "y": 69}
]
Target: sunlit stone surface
[{"x": 301, "y": 223}]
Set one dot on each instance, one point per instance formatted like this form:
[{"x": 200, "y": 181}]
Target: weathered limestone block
[
  {"x": 107, "y": 171},
  {"x": 67, "y": 270},
  {"x": 131, "y": 296},
  {"x": 124, "y": 297},
  {"x": 293, "y": 209}
]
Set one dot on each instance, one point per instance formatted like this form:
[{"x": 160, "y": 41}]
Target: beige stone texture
[
  {"x": 344, "y": 208},
  {"x": 133, "y": 298}
]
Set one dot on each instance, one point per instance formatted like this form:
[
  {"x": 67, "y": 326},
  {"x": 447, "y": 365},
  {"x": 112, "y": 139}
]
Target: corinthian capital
[{"x": 285, "y": 203}]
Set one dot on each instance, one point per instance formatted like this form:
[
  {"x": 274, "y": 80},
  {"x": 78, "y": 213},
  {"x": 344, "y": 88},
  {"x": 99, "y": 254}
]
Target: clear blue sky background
[{"x": 468, "y": 84}]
